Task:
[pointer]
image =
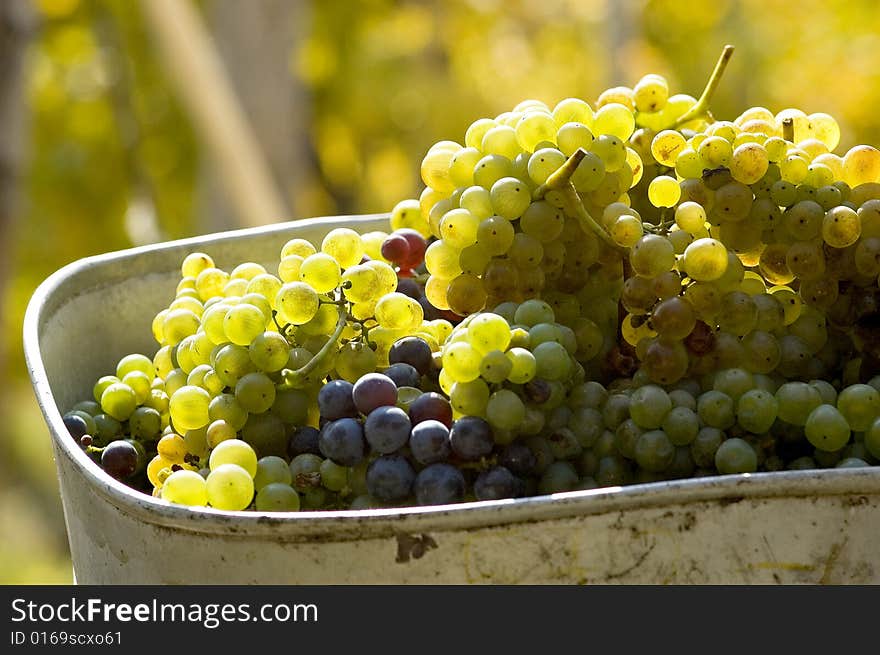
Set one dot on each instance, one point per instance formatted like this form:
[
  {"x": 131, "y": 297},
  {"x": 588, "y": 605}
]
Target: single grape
[
  {"x": 471, "y": 438},
  {"x": 119, "y": 459},
  {"x": 390, "y": 478},
  {"x": 335, "y": 400},
  {"x": 387, "y": 429},
  {"x": 497, "y": 483},
  {"x": 431, "y": 406},
  {"x": 403, "y": 375},
  {"x": 439, "y": 484},
  {"x": 373, "y": 390},
  {"x": 342, "y": 441}
]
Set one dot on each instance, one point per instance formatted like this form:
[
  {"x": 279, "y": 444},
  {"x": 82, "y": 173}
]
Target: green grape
[
  {"x": 495, "y": 236},
  {"x": 652, "y": 255},
  {"x": 666, "y": 146},
  {"x": 749, "y": 163},
  {"x": 826, "y": 428},
  {"x": 243, "y": 323},
  {"x": 495, "y": 367},
  {"x": 664, "y": 191},
  {"x": 715, "y": 152},
  {"x": 716, "y": 409},
  {"x": 552, "y": 361},
  {"x": 140, "y": 384},
  {"x": 210, "y": 282},
  {"x": 194, "y": 263},
  {"x": 705, "y": 260},
  {"x": 474, "y": 258},
  {"x": 859, "y": 404},
  {"x": 542, "y": 221},
  {"x": 525, "y": 251},
  {"x": 501, "y": 140},
  {"x": 231, "y": 362},
  {"x": 573, "y": 110},
  {"x": 135, "y": 362},
  {"x": 466, "y": 295},
  {"x": 532, "y": 312},
  {"x": 188, "y": 407},
  {"x": 488, "y": 332},
  {"x": 533, "y": 128},
  {"x": 185, "y": 488},
  {"x": 461, "y": 361},
  {"x": 736, "y": 456},
  {"x": 806, "y": 259},
  {"x": 705, "y": 446},
  {"x": 477, "y": 201},
  {"x": 234, "y": 451},
  {"x": 492, "y": 168},
  {"x": 654, "y": 451},
  {"x": 626, "y": 231},
  {"x": 255, "y": 392},
  {"x": 796, "y": 400},
  {"x": 510, "y": 197},
  {"x": 458, "y": 228},
  {"x": 271, "y": 469},
  {"x": 435, "y": 166},
  {"x": 689, "y": 164},
  {"x": 610, "y": 149},
  {"x": 178, "y": 324},
  {"x": 673, "y": 318},
  {"x": 591, "y": 171},
  {"x": 246, "y": 271},
  {"x": 762, "y": 350},
  {"x": 756, "y": 410},
  {"x": 861, "y": 165},
  {"x": 355, "y": 360},
  {"x": 461, "y": 167},
  {"x": 523, "y": 365},
  {"x": 229, "y": 487},
  {"x": 649, "y": 405},
  {"x": 118, "y": 400},
  {"x": 398, "y": 311},
  {"x": 505, "y": 410},
  {"x": 614, "y": 119},
  {"x": 872, "y": 439},
  {"x": 321, "y": 272},
  {"x": 469, "y": 398},
  {"x": 441, "y": 260},
  {"x": 572, "y": 136},
  {"x": 269, "y": 351},
  {"x": 681, "y": 425},
  {"x": 841, "y": 227},
  {"x": 360, "y": 283},
  {"x": 277, "y": 497},
  {"x": 219, "y": 431},
  {"x": 738, "y": 314}
]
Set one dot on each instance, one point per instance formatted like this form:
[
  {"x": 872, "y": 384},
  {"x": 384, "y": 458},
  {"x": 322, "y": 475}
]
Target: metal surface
[{"x": 789, "y": 527}]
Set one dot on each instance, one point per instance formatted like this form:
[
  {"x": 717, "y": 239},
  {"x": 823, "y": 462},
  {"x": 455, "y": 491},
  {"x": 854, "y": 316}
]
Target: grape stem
[
  {"x": 701, "y": 109},
  {"x": 560, "y": 182},
  {"x": 788, "y": 129},
  {"x": 293, "y": 379}
]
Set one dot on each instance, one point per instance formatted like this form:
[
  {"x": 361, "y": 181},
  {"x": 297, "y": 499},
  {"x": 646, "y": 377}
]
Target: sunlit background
[{"x": 105, "y": 142}]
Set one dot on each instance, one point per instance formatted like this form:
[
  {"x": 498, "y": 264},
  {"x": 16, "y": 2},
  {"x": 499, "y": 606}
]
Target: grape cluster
[{"x": 582, "y": 296}]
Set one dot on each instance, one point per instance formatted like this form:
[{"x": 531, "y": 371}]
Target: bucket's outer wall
[{"x": 788, "y": 527}]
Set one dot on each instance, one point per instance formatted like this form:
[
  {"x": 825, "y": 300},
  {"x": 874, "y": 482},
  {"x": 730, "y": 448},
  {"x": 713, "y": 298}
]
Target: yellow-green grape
[
  {"x": 235, "y": 287},
  {"x": 355, "y": 359},
  {"x": 626, "y": 230},
  {"x": 242, "y": 323},
  {"x": 162, "y": 362},
  {"x": 666, "y": 147},
  {"x": 749, "y": 163},
  {"x": 650, "y": 93},
  {"x": 664, "y": 191},
  {"x": 458, "y": 228},
  {"x": 135, "y": 362},
  {"x": 776, "y": 148},
  {"x": 633, "y": 331},
  {"x": 435, "y": 168},
  {"x": 488, "y": 332},
  {"x": 615, "y": 119},
  {"x": 466, "y": 295},
  {"x": 360, "y": 283},
  {"x": 542, "y": 221},
  {"x": 373, "y": 240},
  {"x": 573, "y": 110},
  {"x": 246, "y": 271},
  {"x": 461, "y": 361},
  {"x": 212, "y": 322},
  {"x": 473, "y": 136},
  {"x": 824, "y": 128},
  {"x": 533, "y": 128},
  {"x": 156, "y": 327},
  {"x": 772, "y": 264},
  {"x": 794, "y": 169},
  {"x": 441, "y": 259},
  {"x": 715, "y": 151},
  {"x": 229, "y": 487},
  {"x": 500, "y": 140},
  {"x": 188, "y": 407},
  {"x": 652, "y": 255},
  {"x": 689, "y": 164},
  {"x": 322, "y": 323},
  {"x": 194, "y": 263},
  {"x": 299, "y": 247},
  {"x": 178, "y": 324},
  {"x": 612, "y": 151},
  {"x": 523, "y": 366},
  {"x": 344, "y": 245},
  {"x": 841, "y": 227},
  {"x": 572, "y": 136},
  {"x": 435, "y": 291},
  {"x": 510, "y": 197},
  {"x": 590, "y": 172},
  {"x": 210, "y": 282},
  {"x": 477, "y": 201},
  {"x": 867, "y": 256},
  {"x": 187, "y": 302},
  {"x": 690, "y": 217},
  {"x": 634, "y": 161},
  {"x": 543, "y": 163},
  {"x": 806, "y": 259},
  {"x": 461, "y": 166},
  {"x": 265, "y": 285},
  {"x": 140, "y": 383},
  {"x": 705, "y": 260},
  {"x": 262, "y": 302},
  {"x": 469, "y": 398},
  {"x": 861, "y": 165},
  {"x": 117, "y": 399},
  {"x": 172, "y": 447},
  {"x": 495, "y": 236},
  {"x": 320, "y": 271},
  {"x": 490, "y": 169},
  {"x": 495, "y": 367},
  {"x": 474, "y": 259},
  {"x": 790, "y": 301},
  {"x": 398, "y": 311},
  {"x": 387, "y": 278},
  {"x": 185, "y": 488},
  {"x": 234, "y": 451},
  {"x": 408, "y": 214}
]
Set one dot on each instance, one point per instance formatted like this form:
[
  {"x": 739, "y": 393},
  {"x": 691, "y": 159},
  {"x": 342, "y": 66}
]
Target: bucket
[{"x": 784, "y": 527}]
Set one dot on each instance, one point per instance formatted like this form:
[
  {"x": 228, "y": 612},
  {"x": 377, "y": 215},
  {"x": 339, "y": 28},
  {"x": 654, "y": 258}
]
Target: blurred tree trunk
[
  {"x": 17, "y": 24},
  {"x": 255, "y": 41}
]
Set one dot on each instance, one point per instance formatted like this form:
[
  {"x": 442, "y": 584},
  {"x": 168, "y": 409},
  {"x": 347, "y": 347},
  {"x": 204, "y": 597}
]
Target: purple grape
[
  {"x": 429, "y": 406},
  {"x": 497, "y": 483},
  {"x": 403, "y": 375},
  {"x": 342, "y": 441},
  {"x": 409, "y": 287},
  {"x": 390, "y": 478},
  {"x": 374, "y": 390},
  {"x": 119, "y": 458},
  {"x": 387, "y": 429},
  {"x": 76, "y": 425},
  {"x": 471, "y": 438},
  {"x": 335, "y": 400},
  {"x": 303, "y": 439},
  {"x": 414, "y": 351},
  {"x": 439, "y": 484},
  {"x": 429, "y": 442},
  {"x": 519, "y": 459}
]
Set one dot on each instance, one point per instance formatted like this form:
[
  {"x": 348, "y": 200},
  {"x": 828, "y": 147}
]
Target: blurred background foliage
[{"x": 345, "y": 97}]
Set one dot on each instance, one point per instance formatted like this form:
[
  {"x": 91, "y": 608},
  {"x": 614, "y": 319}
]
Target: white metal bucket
[{"x": 788, "y": 527}]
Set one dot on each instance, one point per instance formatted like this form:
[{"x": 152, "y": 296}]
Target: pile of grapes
[{"x": 584, "y": 295}]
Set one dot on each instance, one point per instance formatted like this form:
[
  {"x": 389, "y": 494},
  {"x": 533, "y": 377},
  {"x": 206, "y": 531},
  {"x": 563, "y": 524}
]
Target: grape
[
  {"x": 342, "y": 441},
  {"x": 229, "y": 487},
  {"x": 390, "y": 478},
  {"x": 119, "y": 459},
  {"x": 431, "y": 406},
  {"x": 403, "y": 375},
  {"x": 505, "y": 410},
  {"x": 414, "y": 351},
  {"x": 373, "y": 390},
  {"x": 654, "y": 451},
  {"x": 649, "y": 405},
  {"x": 255, "y": 392},
  {"x": 471, "y": 438},
  {"x": 716, "y": 409},
  {"x": 796, "y": 400},
  {"x": 185, "y": 488},
  {"x": 429, "y": 442},
  {"x": 335, "y": 400},
  {"x": 439, "y": 484},
  {"x": 387, "y": 429},
  {"x": 234, "y": 451},
  {"x": 826, "y": 428},
  {"x": 277, "y": 497},
  {"x": 496, "y": 483},
  {"x": 76, "y": 425},
  {"x": 736, "y": 456},
  {"x": 304, "y": 439},
  {"x": 756, "y": 410}
]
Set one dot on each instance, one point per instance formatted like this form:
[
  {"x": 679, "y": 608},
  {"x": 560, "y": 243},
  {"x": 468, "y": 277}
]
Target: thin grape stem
[
  {"x": 701, "y": 109},
  {"x": 294, "y": 378},
  {"x": 788, "y": 129}
]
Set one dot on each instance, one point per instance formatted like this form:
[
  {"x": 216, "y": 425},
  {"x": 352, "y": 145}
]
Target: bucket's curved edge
[{"x": 352, "y": 525}]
